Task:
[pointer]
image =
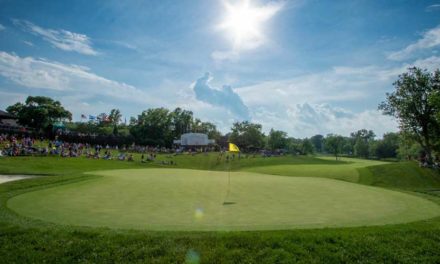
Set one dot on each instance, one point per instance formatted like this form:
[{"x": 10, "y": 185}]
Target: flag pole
[{"x": 232, "y": 149}]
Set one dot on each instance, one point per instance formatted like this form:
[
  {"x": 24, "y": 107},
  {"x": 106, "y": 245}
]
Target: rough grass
[{"x": 24, "y": 240}]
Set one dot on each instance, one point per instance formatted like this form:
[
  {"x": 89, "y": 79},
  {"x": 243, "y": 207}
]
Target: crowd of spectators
[{"x": 12, "y": 145}]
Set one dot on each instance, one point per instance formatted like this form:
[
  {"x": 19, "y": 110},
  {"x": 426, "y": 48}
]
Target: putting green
[{"x": 178, "y": 199}]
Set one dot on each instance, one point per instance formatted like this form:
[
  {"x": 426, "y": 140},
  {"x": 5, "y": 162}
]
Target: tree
[
  {"x": 247, "y": 135},
  {"x": 115, "y": 117},
  {"x": 39, "y": 112},
  {"x": 362, "y": 140},
  {"x": 307, "y": 146},
  {"x": 434, "y": 102},
  {"x": 154, "y": 128},
  {"x": 408, "y": 147},
  {"x": 348, "y": 146},
  {"x": 333, "y": 144},
  {"x": 412, "y": 104},
  {"x": 210, "y": 129},
  {"x": 317, "y": 142},
  {"x": 277, "y": 139},
  {"x": 182, "y": 121},
  {"x": 294, "y": 145},
  {"x": 386, "y": 147}
]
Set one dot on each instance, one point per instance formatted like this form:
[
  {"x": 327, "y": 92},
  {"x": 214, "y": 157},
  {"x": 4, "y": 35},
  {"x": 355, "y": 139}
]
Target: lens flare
[
  {"x": 243, "y": 21},
  {"x": 192, "y": 257},
  {"x": 198, "y": 214}
]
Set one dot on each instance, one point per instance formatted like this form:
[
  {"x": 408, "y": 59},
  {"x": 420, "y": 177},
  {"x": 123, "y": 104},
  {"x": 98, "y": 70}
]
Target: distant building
[{"x": 194, "y": 139}]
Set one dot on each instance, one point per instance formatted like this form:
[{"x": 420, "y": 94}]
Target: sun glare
[{"x": 243, "y": 21}]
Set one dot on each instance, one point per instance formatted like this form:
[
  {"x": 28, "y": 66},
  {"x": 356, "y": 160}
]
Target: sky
[{"x": 302, "y": 66}]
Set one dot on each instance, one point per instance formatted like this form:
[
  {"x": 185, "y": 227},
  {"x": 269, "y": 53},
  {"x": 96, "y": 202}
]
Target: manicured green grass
[
  {"x": 402, "y": 175},
  {"x": 345, "y": 169},
  {"x": 25, "y": 240},
  {"x": 176, "y": 199}
]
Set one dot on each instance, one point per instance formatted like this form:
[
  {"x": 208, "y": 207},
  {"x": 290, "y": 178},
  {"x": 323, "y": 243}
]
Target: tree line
[{"x": 415, "y": 103}]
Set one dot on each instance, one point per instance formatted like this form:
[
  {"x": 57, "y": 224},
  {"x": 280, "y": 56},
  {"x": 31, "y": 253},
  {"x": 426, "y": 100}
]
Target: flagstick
[
  {"x": 232, "y": 148},
  {"x": 229, "y": 181}
]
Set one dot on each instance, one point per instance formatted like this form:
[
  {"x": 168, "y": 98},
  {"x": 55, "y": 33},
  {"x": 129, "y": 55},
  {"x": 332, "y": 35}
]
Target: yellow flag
[{"x": 233, "y": 148}]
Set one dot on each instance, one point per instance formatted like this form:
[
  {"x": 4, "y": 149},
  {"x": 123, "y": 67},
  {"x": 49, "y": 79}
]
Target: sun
[{"x": 243, "y": 22}]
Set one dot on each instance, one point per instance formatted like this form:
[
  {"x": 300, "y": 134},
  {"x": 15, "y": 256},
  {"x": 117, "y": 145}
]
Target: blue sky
[{"x": 305, "y": 66}]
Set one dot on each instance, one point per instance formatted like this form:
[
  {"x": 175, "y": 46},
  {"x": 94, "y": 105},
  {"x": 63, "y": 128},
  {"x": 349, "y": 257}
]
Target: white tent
[{"x": 194, "y": 139}]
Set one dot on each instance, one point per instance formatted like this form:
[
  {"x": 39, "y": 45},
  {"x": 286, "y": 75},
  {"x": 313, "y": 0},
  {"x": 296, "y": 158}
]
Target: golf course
[{"x": 203, "y": 205}]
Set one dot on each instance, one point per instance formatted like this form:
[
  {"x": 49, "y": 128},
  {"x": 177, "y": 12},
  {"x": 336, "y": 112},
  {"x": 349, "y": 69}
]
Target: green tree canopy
[
  {"x": 413, "y": 105},
  {"x": 386, "y": 147},
  {"x": 182, "y": 121},
  {"x": 154, "y": 127},
  {"x": 362, "y": 139},
  {"x": 247, "y": 135},
  {"x": 39, "y": 112},
  {"x": 114, "y": 117},
  {"x": 277, "y": 139},
  {"x": 333, "y": 144},
  {"x": 318, "y": 143}
]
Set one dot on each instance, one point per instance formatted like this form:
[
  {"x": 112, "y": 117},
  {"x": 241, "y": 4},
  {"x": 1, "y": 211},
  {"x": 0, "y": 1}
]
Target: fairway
[{"x": 181, "y": 199}]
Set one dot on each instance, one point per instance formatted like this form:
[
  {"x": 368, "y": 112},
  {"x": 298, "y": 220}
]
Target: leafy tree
[
  {"x": 210, "y": 129},
  {"x": 318, "y": 143},
  {"x": 362, "y": 139},
  {"x": 408, "y": 148},
  {"x": 300, "y": 146},
  {"x": 348, "y": 146},
  {"x": 333, "y": 144},
  {"x": 434, "y": 102},
  {"x": 307, "y": 146},
  {"x": 133, "y": 121},
  {"x": 91, "y": 128},
  {"x": 386, "y": 147},
  {"x": 154, "y": 127},
  {"x": 294, "y": 145},
  {"x": 247, "y": 135},
  {"x": 413, "y": 104},
  {"x": 115, "y": 117},
  {"x": 277, "y": 139},
  {"x": 39, "y": 112},
  {"x": 182, "y": 121}
]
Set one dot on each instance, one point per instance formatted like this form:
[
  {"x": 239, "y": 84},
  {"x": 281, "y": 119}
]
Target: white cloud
[
  {"x": 61, "y": 39},
  {"x": 70, "y": 79},
  {"x": 303, "y": 105},
  {"x": 306, "y": 120},
  {"x": 28, "y": 43},
  {"x": 430, "y": 39},
  {"x": 2, "y": 27},
  {"x": 83, "y": 92},
  {"x": 338, "y": 84},
  {"x": 433, "y": 8}
]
